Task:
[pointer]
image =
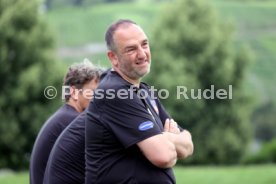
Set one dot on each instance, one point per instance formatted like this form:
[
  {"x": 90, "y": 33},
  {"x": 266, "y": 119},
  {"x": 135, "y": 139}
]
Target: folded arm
[
  {"x": 182, "y": 140},
  {"x": 164, "y": 149}
]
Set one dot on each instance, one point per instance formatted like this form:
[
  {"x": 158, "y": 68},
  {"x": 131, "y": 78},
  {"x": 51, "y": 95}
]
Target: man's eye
[
  {"x": 130, "y": 50},
  {"x": 145, "y": 44}
]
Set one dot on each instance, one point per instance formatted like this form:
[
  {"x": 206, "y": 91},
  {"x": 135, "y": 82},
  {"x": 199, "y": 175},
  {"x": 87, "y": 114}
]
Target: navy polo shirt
[
  {"x": 46, "y": 139},
  {"x": 113, "y": 128},
  {"x": 66, "y": 163}
]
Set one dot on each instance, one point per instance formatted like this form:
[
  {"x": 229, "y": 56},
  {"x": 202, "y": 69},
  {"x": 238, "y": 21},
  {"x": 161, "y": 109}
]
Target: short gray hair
[
  {"x": 109, "y": 40},
  {"x": 79, "y": 74}
]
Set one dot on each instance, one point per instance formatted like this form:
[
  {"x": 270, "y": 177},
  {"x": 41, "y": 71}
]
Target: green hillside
[
  {"x": 254, "y": 21},
  {"x": 77, "y": 26},
  {"x": 256, "y": 26}
]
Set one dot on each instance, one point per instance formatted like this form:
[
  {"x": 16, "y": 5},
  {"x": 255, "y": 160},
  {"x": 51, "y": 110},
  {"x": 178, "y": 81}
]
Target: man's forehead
[{"x": 130, "y": 32}]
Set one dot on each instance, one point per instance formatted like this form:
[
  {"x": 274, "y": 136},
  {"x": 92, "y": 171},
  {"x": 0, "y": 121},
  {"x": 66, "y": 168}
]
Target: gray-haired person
[
  {"x": 80, "y": 80},
  {"x": 131, "y": 139}
]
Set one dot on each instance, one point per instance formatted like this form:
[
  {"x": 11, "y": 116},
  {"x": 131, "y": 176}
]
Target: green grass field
[
  {"x": 226, "y": 175},
  {"x": 264, "y": 174}
]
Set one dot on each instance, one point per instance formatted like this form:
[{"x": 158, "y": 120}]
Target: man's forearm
[
  {"x": 183, "y": 143},
  {"x": 182, "y": 140}
]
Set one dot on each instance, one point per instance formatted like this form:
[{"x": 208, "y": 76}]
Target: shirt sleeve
[
  {"x": 163, "y": 114},
  {"x": 128, "y": 119}
]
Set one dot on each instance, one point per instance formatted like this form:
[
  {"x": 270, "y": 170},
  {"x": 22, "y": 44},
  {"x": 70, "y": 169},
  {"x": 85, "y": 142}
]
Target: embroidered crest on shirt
[{"x": 146, "y": 125}]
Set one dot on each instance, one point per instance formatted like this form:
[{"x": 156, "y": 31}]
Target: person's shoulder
[
  {"x": 78, "y": 122},
  {"x": 73, "y": 130},
  {"x": 68, "y": 111},
  {"x": 112, "y": 80},
  {"x": 64, "y": 115},
  {"x": 145, "y": 85},
  {"x": 54, "y": 117}
]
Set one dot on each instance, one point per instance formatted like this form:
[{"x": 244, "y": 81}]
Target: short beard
[{"x": 137, "y": 75}]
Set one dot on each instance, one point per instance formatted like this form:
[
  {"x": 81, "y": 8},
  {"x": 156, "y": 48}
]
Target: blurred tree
[
  {"x": 27, "y": 67},
  {"x": 108, "y": 1},
  {"x": 191, "y": 48},
  {"x": 264, "y": 119},
  {"x": 267, "y": 154},
  {"x": 48, "y": 4},
  {"x": 77, "y": 2}
]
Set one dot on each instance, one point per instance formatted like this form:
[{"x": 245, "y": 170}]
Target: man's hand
[
  {"x": 182, "y": 140},
  {"x": 171, "y": 126}
]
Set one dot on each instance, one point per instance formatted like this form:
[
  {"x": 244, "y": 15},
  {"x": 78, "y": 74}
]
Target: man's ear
[
  {"x": 74, "y": 93},
  {"x": 113, "y": 58}
]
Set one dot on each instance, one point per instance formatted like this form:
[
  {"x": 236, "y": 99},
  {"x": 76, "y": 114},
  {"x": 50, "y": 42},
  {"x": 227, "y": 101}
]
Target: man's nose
[{"x": 141, "y": 53}]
